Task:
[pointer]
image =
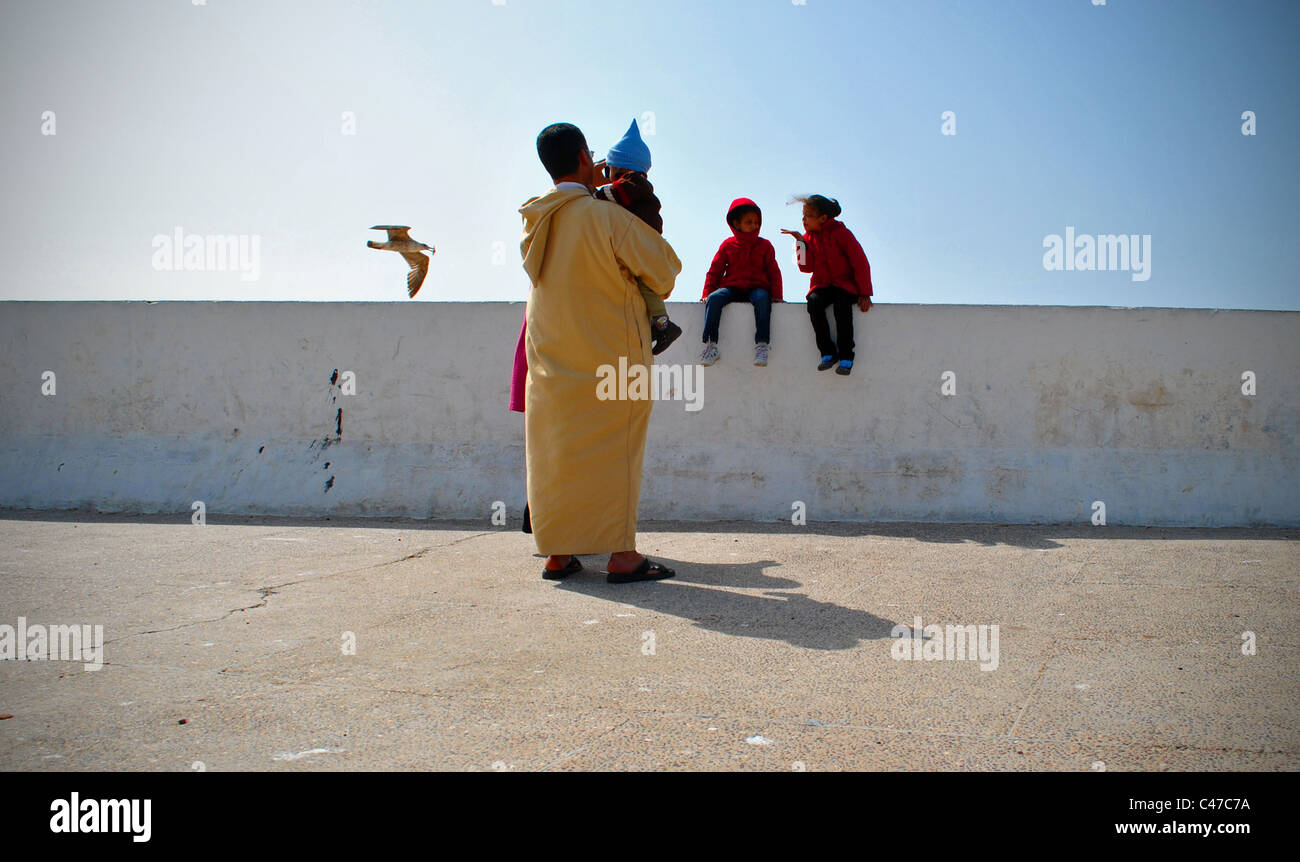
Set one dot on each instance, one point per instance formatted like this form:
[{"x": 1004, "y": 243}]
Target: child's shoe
[
  {"x": 760, "y": 353},
  {"x": 662, "y": 336},
  {"x": 710, "y": 354},
  {"x": 827, "y": 362},
  {"x": 846, "y": 366}
]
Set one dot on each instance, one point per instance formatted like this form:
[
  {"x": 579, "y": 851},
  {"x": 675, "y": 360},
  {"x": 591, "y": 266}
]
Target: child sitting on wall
[
  {"x": 743, "y": 270},
  {"x": 841, "y": 278}
]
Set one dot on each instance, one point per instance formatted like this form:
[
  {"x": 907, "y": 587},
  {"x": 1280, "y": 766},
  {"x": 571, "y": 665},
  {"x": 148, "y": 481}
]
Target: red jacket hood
[
  {"x": 737, "y": 232},
  {"x": 744, "y": 260}
]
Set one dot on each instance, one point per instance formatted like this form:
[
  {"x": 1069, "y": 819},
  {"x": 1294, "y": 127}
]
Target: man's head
[{"x": 563, "y": 150}]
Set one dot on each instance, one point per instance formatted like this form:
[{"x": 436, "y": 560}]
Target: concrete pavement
[{"x": 1117, "y": 648}]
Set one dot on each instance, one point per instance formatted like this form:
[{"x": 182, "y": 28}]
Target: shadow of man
[{"x": 700, "y": 594}]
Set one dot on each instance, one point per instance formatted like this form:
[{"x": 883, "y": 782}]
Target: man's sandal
[
  {"x": 649, "y": 570},
  {"x": 575, "y": 565}
]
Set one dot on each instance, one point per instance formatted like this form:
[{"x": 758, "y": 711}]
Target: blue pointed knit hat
[{"x": 630, "y": 152}]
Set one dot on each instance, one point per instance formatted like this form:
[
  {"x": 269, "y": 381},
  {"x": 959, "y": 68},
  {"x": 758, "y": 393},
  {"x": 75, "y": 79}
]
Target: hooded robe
[{"x": 584, "y": 454}]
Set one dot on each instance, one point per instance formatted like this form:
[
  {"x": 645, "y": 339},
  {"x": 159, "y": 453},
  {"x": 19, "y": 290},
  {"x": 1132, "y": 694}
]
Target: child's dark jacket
[{"x": 634, "y": 193}]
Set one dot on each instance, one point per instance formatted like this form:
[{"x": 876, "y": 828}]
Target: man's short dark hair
[{"x": 559, "y": 146}]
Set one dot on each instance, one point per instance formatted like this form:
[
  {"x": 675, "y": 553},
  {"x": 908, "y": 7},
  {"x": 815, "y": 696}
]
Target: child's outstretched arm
[{"x": 804, "y": 247}]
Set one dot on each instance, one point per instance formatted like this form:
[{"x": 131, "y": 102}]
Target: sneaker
[
  {"x": 827, "y": 362},
  {"x": 760, "y": 353},
  {"x": 846, "y": 365},
  {"x": 664, "y": 336},
  {"x": 710, "y": 354}
]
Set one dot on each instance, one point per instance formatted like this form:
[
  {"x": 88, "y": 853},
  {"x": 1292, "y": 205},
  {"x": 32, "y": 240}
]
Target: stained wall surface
[{"x": 245, "y": 406}]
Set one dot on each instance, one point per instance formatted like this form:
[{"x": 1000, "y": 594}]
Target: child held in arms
[{"x": 626, "y": 166}]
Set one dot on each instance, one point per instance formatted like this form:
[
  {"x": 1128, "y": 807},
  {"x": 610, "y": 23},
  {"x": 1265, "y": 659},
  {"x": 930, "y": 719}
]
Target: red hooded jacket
[
  {"x": 835, "y": 257},
  {"x": 745, "y": 260}
]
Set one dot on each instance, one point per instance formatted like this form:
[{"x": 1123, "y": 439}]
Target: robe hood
[{"x": 537, "y": 213}]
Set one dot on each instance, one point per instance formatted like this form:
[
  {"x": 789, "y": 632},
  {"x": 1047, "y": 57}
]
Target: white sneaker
[
  {"x": 710, "y": 354},
  {"x": 760, "y": 353}
]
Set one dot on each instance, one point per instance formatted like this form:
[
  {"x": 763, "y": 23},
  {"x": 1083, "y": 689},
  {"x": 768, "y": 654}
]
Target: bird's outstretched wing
[
  {"x": 395, "y": 231},
  {"x": 419, "y": 269}
]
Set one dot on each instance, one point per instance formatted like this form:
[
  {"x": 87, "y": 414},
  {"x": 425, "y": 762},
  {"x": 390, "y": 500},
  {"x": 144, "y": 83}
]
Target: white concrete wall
[{"x": 161, "y": 404}]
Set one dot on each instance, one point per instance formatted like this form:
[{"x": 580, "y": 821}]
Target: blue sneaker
[
  {"x": 827, "y": 362},
  {"x": 846, "y": 365}
]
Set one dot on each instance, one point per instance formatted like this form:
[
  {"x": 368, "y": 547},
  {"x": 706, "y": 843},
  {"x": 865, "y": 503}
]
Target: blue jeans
[{"x": 760, "y": 297}]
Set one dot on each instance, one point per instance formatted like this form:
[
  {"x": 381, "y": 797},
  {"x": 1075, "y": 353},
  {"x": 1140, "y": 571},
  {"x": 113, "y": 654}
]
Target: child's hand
[
  {"x": 792, "y": 233},
  {"x": 864, "y": 303}
]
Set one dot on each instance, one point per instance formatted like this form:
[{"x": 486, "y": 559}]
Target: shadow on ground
[
  {"x": 700, "y": 593},
  {"x": 1031, "y": 536}
]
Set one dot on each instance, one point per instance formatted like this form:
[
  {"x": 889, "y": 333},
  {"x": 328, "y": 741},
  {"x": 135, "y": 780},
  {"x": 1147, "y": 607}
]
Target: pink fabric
[{"x": 520, "y": 374}]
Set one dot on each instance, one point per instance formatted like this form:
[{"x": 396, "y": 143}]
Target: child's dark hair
[
  {"x": 734, "y": 217},
  {"x": 828, "y": 207}
]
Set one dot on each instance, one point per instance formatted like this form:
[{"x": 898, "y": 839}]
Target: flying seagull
[{"x": 401, "y": 242}]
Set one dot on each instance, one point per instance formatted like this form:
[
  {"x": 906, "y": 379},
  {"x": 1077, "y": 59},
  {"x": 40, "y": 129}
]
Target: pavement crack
[
  {"x": 264, "y": 592},
  {"x": 585, "y": 746},
  {"x": 1082, "y": 566},
  {"x": 415, "y": 556},
  {"x": 1038, "y": 683},
  {"x": 423, "y": 551},
  {"x": 467, "y": 538}
]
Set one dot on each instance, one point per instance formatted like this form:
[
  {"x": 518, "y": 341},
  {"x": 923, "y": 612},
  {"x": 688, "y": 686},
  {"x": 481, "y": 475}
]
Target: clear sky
[{"x": 228, "y": 118}]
